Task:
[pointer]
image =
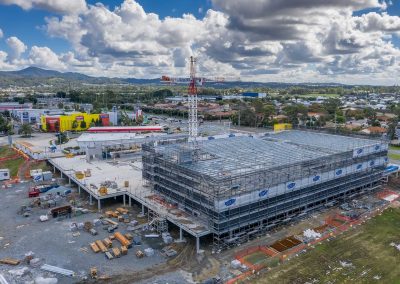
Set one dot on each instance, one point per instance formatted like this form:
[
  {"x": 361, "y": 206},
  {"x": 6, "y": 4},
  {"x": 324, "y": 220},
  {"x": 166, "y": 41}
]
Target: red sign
[{"x": 79, "y": 118}]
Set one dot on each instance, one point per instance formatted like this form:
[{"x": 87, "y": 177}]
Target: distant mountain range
[{"x": 33, "y": 76}]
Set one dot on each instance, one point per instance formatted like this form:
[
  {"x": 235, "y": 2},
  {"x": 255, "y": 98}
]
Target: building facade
[{"x": 72, "y": 122}]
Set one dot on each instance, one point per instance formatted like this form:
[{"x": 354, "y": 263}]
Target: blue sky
[{"x": 306, "y": 40}]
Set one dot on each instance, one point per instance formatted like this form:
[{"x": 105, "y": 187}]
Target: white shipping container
[
  {"x": 47, "y": 176},
  {"x": 37, "y": 177},
  {"x": 4, "y": 174}
]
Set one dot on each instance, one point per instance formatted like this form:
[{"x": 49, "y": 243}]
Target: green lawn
[
  {"x": 392, "y": 147},
  {"x": 12, "y": 165},
  {"x": 394, "y": 156},
  {"x": 362, "y": 255},
  {"x": 6, "y": 151},
  {"x": 42, "y": 165}
]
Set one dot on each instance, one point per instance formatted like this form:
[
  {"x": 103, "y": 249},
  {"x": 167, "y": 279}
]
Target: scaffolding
[
  {"x": 157, "y": 222},
  {"x": 241, "y": 187}
]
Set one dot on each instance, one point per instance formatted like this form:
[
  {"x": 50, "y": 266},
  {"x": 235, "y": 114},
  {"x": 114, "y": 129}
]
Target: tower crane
[{"x": 192, "y": 82}]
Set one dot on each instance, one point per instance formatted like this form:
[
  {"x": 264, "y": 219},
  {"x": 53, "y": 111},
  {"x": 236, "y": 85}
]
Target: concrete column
[
  {"x": 69, "y": 181},
  {"x": 99, "y": 204},
  {"x": 198, "y": 244},
  {"x": 129, "y": 201},
  {"x": 90, "y": 199},
  {"x": 123, "y": 198},
  {"x": 180, "y": 234},
  {"x": 61, "y": 174},
  {"x": 142, "y": 209},
  {"x": 79, "y": 189},
  {"x": 54, "y": 169}
]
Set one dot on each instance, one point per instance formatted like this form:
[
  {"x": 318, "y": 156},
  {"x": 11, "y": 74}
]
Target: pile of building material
[
  {"x": 149, "y": 252},
  {"x": 310, "y": 234},
  {"x": 107, "y": 247},
  {"x": 58, "y": 270},
  {"x": 167, "y": 238},
  {"x": 236, "y": 264},
  {"x": 9, "y": 261},
  {"x": 169, "y": 251},
  {"x": 109, "y": 184},
  {"x": 396, "y": 246}
]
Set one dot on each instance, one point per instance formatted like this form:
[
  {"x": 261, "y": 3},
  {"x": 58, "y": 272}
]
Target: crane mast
[{"x": 192, "y": 100}]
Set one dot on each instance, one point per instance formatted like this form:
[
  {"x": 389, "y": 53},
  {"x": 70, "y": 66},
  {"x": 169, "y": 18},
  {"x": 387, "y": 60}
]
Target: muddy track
[{"x": 185, "y": 260}]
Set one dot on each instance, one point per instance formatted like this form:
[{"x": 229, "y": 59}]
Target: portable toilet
[{"x": 4, "y": 174}]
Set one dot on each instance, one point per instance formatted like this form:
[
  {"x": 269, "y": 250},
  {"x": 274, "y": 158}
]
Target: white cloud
[
  {"x": 1, "y": 33},
  {"x": 302, "y": 40},
  {"x": 17, "y": 48},
  {"x": 44, "y": 57},
  {"x": 57, "y": 6}
]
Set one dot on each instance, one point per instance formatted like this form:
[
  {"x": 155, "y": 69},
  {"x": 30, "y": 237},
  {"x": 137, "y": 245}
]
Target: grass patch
[
  {"x": 6, "y": 151},
  {"x": 41, "y": 165},
  {"x": 12, "y": 165},
  {"x": 394, "y": 156},
  {"x": 393, "y": 147},
  {"x": 257, "y": 258},
  {"x": 365, "y": 253}
]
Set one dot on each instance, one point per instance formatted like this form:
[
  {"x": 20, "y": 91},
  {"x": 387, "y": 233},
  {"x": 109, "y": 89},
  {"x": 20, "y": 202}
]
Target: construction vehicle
[
  {"x": 60, "y": 211},
  {"x": 33, "y": 192}
]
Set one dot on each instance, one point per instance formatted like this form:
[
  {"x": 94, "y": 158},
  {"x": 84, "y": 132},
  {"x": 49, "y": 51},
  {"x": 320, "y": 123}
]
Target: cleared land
[{"x": 363, "y": 255}]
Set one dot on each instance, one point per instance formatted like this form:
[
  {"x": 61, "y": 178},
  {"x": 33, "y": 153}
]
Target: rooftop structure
[{"x": 125, "y": 129}]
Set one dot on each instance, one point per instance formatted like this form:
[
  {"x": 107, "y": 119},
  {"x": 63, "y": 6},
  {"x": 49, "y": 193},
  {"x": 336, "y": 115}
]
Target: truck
[
  {"x": 60, "y": 211},
  {"x": 33, "y": 192}
]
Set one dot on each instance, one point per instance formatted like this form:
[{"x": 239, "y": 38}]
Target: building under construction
[{"x": 242, "y": 186}]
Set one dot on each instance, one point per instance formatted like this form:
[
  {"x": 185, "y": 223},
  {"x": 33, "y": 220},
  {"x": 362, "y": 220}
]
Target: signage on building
[{"x": 79, "y": 118}]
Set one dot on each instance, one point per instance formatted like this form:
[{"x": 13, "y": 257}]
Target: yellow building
[
  {"x": 70, "y": 122},
  {"x": 282, "y": 126}
]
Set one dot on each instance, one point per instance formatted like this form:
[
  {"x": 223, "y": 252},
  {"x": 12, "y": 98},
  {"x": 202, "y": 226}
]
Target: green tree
[
  {"x": 74, "y": 124},
  {"x": 26, "y": 130},
  {"x": 331, "y": 105},
  {"x": 392, "y": 129},
  {"x": 83, "y": 124},
  {"x": 5, "y": 126}
]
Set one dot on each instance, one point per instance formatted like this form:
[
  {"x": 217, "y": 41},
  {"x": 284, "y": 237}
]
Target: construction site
[
  {"x": 240, "y": 187},
  {"x": 186, "y": 207}
]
